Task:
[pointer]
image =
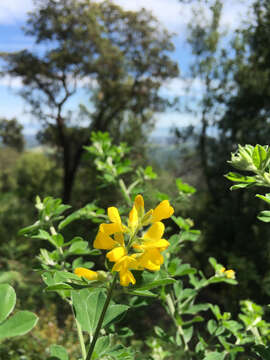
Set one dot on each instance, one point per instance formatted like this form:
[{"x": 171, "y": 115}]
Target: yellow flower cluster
[
  {"x": 129, "y": 248},
  {"x": 230, "y": 274}
]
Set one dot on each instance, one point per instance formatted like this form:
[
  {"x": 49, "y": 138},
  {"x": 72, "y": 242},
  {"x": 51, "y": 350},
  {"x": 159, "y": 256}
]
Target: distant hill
[{"x": 31, "y": 141}]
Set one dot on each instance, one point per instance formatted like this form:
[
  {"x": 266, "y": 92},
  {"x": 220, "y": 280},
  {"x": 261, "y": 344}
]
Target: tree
[
  {"x": 120, "y": 57},
  {"x": 11, "y": 134},
  {"x": 235, "y": 107}
]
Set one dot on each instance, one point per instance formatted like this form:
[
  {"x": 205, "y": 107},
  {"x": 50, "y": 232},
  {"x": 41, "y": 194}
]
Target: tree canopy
[{"x": 120, "y": 58}]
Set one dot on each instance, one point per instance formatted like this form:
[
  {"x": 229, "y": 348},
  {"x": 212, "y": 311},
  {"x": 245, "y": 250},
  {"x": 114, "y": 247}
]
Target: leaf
[
  {"x": 241, "y": 186},
  {"x": 258, "y": 156},
  {"x": 88, "y": 306},
  {"x": 215, "y": 356},
  {"x": 156, "y": 283},
  {"x": 19, "y": 324},
  {"x": 7, "y": 301},
  {"x": 58, "y": 239},
  {"x": 101, "y": 348},
  {"x": 58, "y": 287},
  {"x": 113, "y": 312},
  {"x": 266, "y": 197},
  {"x": 185, "y": 188},
  {"x": 211, "y": 326},
  {"x": 188, "y": 332},
  {"x": 264, "y": 216},
  {"x": 142, "y": 293},
  {"x": 87, "y": 212},
  {"x": 233, "y": 176},
  {"x": 78, "y": 247},
  {"x": 194, "y": 309},
  {"x": 58, "y": 352}
]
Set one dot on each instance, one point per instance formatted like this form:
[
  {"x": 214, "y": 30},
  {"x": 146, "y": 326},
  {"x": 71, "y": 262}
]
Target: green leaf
[
  {"x": 7, "y": 301},
  {"x": 19, "y": 324},
  {"x": 142, "y": 293},
  {"x": 236, "y": 177},
  {"x": 88, "y": 306},
  {"x": 241, "y": 186},
  {"x": 58, "y": 240},
  {"x": 188, "y": 332},
  {"x": 59, "y": 352},
  {"x": 156, "y": 283},
  {"x": 211, "y": 326},
  {"x": 258, "y": 156},
  {"x": 78, "y": 247},
  {"x": 264, "y": 216},
  {"x": 113, "y": 312},
  {"x": 194, "y": 309},
  {"x": 185, "y": 188},
  {"x": 215, "y": 356},
  {"x": 266, "y": 197},
  {"x": 87, "y": 212},
  {"x": 102, "y": 347},
  {"x": 58, "y": 287}
]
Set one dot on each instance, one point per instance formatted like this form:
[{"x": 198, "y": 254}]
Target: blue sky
[{"x": 173, "y": 15}]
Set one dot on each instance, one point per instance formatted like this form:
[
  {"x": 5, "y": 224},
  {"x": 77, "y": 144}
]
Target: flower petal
[
  {"x": 160, "y": 244},
  {"x": 119, "y": 237},
  {"x": 133, "y": 218},
  {"x": 114, "y": 215},
  {"x": 151, "y": 260},
  {"x": 125, "y": 263},
  {"x": 110, "y": 229},
  {"x": 139, "y": 205},
  {"x": 104, "y": 241},
  {"x": 116, "y": 254},
  {"x": 86, "y": 273},
  {"x": 126, "y": 277},
  {"x": 163, "y": 211},
  {"x": 155, "y": 232}
]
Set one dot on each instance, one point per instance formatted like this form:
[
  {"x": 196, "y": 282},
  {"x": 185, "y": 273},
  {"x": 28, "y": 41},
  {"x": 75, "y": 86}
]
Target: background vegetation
[{"x": 122, "y": 58}]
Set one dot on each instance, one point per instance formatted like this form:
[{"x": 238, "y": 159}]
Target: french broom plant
[{"x": 141, "y": 263}]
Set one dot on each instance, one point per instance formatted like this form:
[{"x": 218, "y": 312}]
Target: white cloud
[
  {"x": 165, "y": 120},
  {"x": 12, "y": 83},
  {"x": 181, "y": 86},
  {"x": 12, "y": 11},
  {"x": 171, "y": 13}
]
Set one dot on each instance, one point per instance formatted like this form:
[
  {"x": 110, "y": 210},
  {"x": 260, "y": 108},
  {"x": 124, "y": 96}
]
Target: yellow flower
[
  {"x": 141, "y": 251},
  {"x": 163, "y": 211},
  {"x": 116, "y": 254},
  {"x": 230, "y": 274},
  {"x": 103, "y": 239},
  {"x": 152, "y": 238},
  {"x": 123, "y": 266},
  {"x": 126, "y": 278},
  {"x": 150, "y": 260},
  {"x": 86, "y": 273}
]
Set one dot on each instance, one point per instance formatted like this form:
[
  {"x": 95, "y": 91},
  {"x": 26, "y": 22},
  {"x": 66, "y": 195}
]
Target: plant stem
[
  {"x": 125, "y": 192},
  {"x": 79, "y": 332},
  {"x": 171, "y": 308},
  {"x": 100, "y": 321},
  {"x": 80, "y": 336}
]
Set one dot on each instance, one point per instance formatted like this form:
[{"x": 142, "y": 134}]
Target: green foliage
[
  {"x": 36, "y": 174},
  {"x": 18, "y": 324},
  {"x": 11, "y": 134},
  {"x": 198, "y": 329}
]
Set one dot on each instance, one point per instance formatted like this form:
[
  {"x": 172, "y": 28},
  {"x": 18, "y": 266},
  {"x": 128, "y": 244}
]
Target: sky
[{"x": 172, "y": 14}]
